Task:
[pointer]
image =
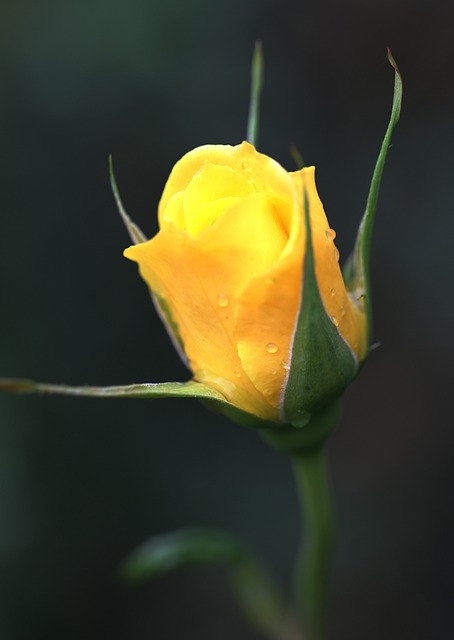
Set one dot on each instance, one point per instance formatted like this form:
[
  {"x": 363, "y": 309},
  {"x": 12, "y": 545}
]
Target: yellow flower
[{"x": 227, "y": 263}]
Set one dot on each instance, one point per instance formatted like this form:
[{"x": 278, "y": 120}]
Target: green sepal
[
  {"x": 137, "y": 236},
  {"x": 257, "y": 73},
  {"x": 357, "y": 270},
  {"x": 135, "y": 233},
  {"x": 148, "y": 390},
  {"x": 163, "y": 311},
  {"x": 322, "y": 364},
  {"x": 297, "y": 157},
  {"x": 257, "y": 595},
  {"x": 211, "y": 398}
]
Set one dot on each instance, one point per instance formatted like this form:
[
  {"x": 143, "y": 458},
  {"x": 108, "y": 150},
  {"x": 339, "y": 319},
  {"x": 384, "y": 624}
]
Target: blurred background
[{"x": 83, "y": 482}]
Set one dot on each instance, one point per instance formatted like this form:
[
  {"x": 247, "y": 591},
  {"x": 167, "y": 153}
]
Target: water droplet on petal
[
  {"x": 336, "y": 254},
  {"x": 330, "y": 234},
  {"x": 273, "y": 372},
  {"x": 272, "y": 348},
  {"x": 335, "y": 321},
  {"x": 285, "y": 365},
  {"x": 333, "y": 291},
  {"x": 342, "y": 311},
  {"x": 237, "y": 373},
  {"x": 223, "y": 300}
]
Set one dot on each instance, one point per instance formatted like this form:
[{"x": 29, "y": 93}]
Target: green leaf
[
  {"x": 357, "y": 271},
  {"x": 256, "y": 89},
  {"x": 322, "y": 364},
  {"x": 256, "y": 594}
]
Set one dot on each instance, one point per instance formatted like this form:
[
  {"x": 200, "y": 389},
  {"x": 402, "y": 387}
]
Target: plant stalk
[{"x": 315, "y": 556}]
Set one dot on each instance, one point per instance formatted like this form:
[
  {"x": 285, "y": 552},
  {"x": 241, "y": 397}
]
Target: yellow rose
[{"x": 227, "y": 263}]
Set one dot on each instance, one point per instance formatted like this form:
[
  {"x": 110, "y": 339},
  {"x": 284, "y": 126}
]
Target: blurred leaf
[
  {"x": 257, "y": 595},
  {"x": 168, "y": 552}
]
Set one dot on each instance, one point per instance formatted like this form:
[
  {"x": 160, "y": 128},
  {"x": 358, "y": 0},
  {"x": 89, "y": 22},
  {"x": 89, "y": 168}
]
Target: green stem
[{"x": 314, "y": 562}]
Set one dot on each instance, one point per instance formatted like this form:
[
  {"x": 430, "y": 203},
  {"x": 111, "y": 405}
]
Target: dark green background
[{"x": 82, "y": 482}]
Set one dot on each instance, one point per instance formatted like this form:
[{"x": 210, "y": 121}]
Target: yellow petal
[
  {"x": 266, "y": 315},
  {"x": 212, "y": 191},
  {"x": 263, "y": 174},
  {"x": 174, "y": 267},
  {"x": 228, "y": 262}
]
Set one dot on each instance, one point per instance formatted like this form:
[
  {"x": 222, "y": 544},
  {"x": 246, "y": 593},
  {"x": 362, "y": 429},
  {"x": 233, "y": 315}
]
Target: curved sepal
[
  {"x": 257, "y": 73},
  {"x": 163, "y": 311},
  {"x": 148, "y": 390},
  {"x": 137, "y": 236},
  {"x": 322, "y": 364},
  {"x": 211, "y": 398},
  {"x": 357, "y": 270},
  {"x": 135, "y": 233},
  {"x": 297, "y": 157}
]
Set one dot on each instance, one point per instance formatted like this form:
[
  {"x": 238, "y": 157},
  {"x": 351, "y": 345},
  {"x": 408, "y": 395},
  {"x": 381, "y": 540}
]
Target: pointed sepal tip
[
  {"x": 357, "y": 270},
  {"x": 322, "y": 364}
]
